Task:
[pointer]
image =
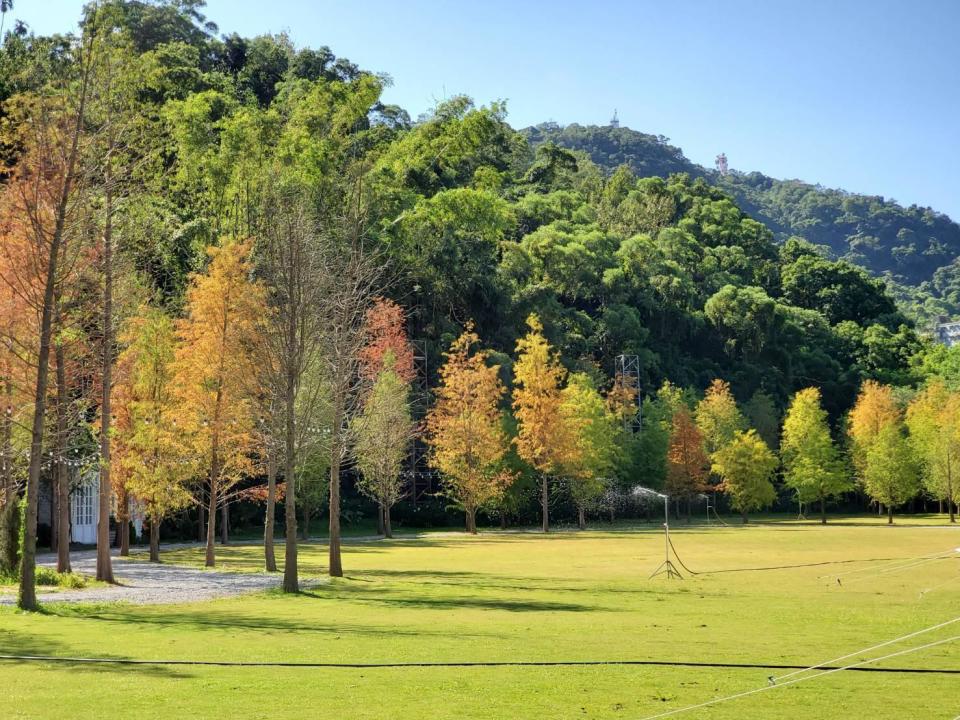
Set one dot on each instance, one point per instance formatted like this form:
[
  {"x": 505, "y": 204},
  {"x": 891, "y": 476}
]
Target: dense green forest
[
  {"x": 482, "y": 222},
  {"x": 912, "y": 248}
]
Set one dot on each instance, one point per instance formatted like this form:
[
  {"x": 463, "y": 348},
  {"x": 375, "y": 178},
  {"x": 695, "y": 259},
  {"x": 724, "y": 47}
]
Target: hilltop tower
[
  {"x": 614, "y": 121},
  {"x": 721, "y": 163}
]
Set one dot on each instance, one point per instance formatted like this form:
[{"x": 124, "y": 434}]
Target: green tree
[
  {"x": 595, "y": 431},
  {"x": 382, "y": 434},
  {"x": 890, "y": 471},
  {"x": 762, "y": 415},
  {"x": 933, "y": 419},
  {"x": 746, "y": 466},
  {"x": 811, "y": 463}
]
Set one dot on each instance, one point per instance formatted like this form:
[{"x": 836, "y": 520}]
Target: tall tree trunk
[
  {"x": 201, "y": 523},
  {"x": 581, "y": 518},
  {"x": 387, "y": 528},
  {"x": 63, "y": 474},
  {"x": 123, "y": 529},
  {"x": 336, "y": 565},
  {"x": 889, "y": 514},
  {"x": 104, "y": 565},
  {"x": 9, "y": 512},
  {"x": 381, "y": 530},
  {"x": 210, "y": 559},
  {"x": 154, "y": 540},
  {"x": 503, "y": 520},
  {"x": 27, "y": 598},
  {"x": 472, "y": 520},
  {"x": 743, "y": 514},
  {"x": 545, "y": 503},
  {"x": 950, "y": 501},
  {"x": 291, "y": 581},
  {"x": 270, "y": 559},
  {"x": 225, "y": 523},
  {"x": 307, "y": 514},
  {"x": 823, "y": 510}
]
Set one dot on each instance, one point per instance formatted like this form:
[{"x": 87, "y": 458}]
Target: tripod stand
[{"x": 666, "y": 567}]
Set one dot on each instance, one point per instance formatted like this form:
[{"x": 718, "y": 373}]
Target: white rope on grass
[
  {"x": 901, "y": 568},
  {"x": 937, "y": 587},
  {"x": 892, "y": 565},
  {"x": 765, "y": 688},
  {"x": 869, "y": 649}
]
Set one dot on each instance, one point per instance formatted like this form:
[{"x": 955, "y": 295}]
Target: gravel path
[{"x": 143, "y": 583}]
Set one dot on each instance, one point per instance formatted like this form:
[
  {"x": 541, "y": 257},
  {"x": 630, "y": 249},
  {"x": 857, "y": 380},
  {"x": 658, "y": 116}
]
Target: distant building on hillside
[{"x": 946, "y": 332}]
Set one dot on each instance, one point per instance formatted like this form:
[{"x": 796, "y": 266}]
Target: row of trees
[
  {"x": 195, "y": 234},
  {"x": 256, "y": 368},
  {"x": 560, "y": 427},
  {"x": 899, "y": 442}
]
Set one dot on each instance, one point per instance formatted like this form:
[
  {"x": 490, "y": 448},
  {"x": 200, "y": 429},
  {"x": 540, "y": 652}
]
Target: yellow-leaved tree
[
  {"x": 212, "y": 367},
  {"x": 543, "y": 438},
  {"x": 718, "y": 417},
  {"x": 874, "y": 410},
  {"x": 465, "y": 428},
  {"x": 148, "y": 446},
  {"x": 933, "y": 419}
]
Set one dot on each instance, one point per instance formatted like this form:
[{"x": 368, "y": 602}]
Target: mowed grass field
[{"x": 568, "y": 596}]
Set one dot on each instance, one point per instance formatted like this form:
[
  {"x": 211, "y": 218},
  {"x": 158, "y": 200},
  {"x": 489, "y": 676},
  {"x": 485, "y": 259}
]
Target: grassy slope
[{"x": 569, "y": 596}]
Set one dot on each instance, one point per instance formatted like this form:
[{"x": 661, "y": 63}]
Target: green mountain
[{"x": 914, "y": 248}]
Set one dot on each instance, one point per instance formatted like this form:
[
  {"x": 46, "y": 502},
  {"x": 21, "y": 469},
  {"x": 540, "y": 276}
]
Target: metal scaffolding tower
[{"x": 626, "y": 378}]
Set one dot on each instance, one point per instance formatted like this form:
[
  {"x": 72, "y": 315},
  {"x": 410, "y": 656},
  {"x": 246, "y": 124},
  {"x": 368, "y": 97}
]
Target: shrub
[
  {"x": 51, "y": 578},
  {"x": 9, "y": 537}
]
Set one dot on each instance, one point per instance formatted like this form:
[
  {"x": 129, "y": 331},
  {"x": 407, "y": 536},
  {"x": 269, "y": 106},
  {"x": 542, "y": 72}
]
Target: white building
[
  {"x": 84, "y": 506},
  {"x": 83, "y": 510},
  {"x": 947, "y": 333}
]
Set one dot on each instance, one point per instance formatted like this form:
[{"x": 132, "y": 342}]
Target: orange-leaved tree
[
  {"x": 41, "y": 199},
  {"x": 385, "y": 331},
  {"x": 212, "y": 367},
  {"x": 543, "y": 439},
  {"x": 465, "y": 428},
  {"x": 687, "y": 462}
]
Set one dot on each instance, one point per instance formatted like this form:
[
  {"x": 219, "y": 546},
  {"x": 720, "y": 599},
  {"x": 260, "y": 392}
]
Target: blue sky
[{"x": 858, "y": 94}]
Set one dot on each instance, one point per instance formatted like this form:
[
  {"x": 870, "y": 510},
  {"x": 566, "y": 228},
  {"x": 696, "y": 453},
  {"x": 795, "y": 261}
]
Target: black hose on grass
[
  {"x": 788, "y": 567},
  {"x": 480, "y": 664}
]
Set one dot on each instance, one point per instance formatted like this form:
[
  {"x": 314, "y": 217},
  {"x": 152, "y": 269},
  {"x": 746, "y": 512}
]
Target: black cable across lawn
[{"x": 505, "y": 663}]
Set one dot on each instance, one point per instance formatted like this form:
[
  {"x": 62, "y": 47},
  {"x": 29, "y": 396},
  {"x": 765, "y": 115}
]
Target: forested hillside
[
  {"x": 482, "y": 223},
  {"x": 914, "y": 248}
]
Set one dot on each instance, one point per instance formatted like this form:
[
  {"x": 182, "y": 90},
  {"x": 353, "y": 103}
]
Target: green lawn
[{"x": 522, "y": 596}]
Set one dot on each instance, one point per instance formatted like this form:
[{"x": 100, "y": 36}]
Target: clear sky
[{"x": 858, "y": 94}]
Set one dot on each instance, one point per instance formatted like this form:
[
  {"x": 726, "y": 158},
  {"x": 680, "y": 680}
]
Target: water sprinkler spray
[{"x": 666, "y": 567}]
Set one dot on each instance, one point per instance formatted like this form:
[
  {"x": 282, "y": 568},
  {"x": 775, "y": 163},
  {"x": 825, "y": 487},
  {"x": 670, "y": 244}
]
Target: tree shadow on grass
[
  {"x": 15, "y": 643},
  {"x": 389, "y": 597},
  {"x": 487, "y": 581},
  {"x": 219, "y": 620}
]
